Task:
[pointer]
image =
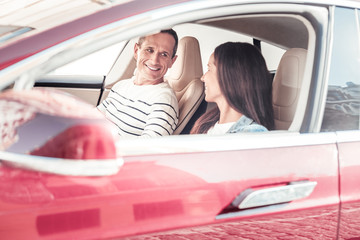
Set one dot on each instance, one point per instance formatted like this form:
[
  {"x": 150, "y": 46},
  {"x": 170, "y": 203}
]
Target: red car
[{"x": 64, "y": 174}]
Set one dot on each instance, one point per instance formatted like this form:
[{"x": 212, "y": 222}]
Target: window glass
[
  {"x": 343, "y": 98},
  {"x": 98, "y": 63},
  {"x": 9, "y": 32},
  {"x": 272, "y": 54}
]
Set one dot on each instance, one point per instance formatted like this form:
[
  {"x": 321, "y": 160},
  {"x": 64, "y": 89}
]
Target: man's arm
[{"x": 162, "y": 120}]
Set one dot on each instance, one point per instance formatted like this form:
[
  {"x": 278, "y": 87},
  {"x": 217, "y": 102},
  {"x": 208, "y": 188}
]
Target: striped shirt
[{"x": 146, "y": 110}]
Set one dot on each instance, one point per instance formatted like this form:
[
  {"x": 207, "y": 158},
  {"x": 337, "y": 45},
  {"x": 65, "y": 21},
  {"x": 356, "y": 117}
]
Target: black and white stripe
[{"x": 148, "y": 110}]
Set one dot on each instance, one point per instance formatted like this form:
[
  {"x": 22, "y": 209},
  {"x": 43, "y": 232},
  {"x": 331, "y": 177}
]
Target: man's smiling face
[{"x": 153, "y": 58}]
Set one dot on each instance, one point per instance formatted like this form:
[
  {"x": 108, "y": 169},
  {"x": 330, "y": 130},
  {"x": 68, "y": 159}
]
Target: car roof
[
  {"x": 29, "y": 26},
  {"x": 37, "y": 24},
  {"x": 23, "y": 18},
  {"x": 46, "y": 13}
]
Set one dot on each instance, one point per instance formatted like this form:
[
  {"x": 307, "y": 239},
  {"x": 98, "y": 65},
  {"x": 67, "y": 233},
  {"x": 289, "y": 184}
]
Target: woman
[{"x": 239, "y": 83}]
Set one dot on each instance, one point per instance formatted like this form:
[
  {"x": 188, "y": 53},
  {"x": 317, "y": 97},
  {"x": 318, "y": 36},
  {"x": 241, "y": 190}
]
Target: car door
[
  {"x": 290, "y": 181},
  {"x": 88, "y": 88},
  {"x": 206, "y": 187},
  {"x": 342, "y": 115}
]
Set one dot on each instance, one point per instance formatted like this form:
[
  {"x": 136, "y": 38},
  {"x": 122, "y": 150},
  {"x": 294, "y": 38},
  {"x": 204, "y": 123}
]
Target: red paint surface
[
  {"x": 349, "y": 155},
  {"x": 160, "y": 193},
  {"x": 80, "y": 142},
  {"x": 86, "y": 135},
  {"x": 67, "y": 221}
]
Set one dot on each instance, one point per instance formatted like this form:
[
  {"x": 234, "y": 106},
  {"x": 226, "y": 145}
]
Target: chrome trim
[
  {"x": 348, "y": 136},
  {"x": 251, "y": 211},
  {"x": 269, "y": 196},
  {"x": 320, "y": 75},
  {"x": 227, "y": 142},
  {"x": 325, "y": 76},
  {"x": 69, "y": 167}
]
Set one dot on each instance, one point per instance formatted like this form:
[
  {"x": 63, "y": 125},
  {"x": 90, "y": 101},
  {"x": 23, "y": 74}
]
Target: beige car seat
[
  {"x": 184, "y": 79},
  {"x": 286, "y": 86}
]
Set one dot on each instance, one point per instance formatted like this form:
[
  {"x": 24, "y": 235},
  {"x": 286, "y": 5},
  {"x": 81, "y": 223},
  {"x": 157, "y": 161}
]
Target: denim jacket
[{"x": 245, "y": 124}]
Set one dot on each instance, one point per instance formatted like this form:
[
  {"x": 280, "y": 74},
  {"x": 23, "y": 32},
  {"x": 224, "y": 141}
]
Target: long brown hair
[{"x": 245, "y": 82}]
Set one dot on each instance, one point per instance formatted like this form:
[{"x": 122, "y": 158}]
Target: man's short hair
[{"x": 168, "y": 31}]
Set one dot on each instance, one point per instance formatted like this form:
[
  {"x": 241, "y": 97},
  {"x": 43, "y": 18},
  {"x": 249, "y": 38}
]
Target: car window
[
  {"x": 9, "y": 32},
  {"x": 271, "y": 53},
  {"x": 343, "y": 97},
  {"x": 97, "y": 63}
]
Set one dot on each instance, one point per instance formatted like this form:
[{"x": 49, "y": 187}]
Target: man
[{"x": 145, "y": 105}]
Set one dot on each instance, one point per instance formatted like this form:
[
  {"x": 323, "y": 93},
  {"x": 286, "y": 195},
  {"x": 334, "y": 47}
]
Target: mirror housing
[{"x": 51, "y": 131}]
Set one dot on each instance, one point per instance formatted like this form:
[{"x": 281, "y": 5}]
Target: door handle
[{"x": 274, "y": 195}]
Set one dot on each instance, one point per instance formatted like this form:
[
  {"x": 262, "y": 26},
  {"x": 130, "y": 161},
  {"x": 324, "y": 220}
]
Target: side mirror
[{"x": 53, "y": 132}]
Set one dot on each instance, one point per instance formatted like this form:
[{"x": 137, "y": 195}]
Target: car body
[{"x": 301, "y": 182}]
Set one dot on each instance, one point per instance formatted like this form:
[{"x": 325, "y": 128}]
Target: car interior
[
  {"x": 184, "y": 79},
  {"x": 286, "y": 41}
]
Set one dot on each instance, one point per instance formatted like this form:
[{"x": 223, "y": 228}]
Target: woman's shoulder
[{"x": 245, "y": 124}]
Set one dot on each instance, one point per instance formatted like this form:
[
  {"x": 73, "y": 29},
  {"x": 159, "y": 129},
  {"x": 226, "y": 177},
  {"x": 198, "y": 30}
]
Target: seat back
[
  {"x": 184, "y": 79},
  {"x": 286, "y": 86}
]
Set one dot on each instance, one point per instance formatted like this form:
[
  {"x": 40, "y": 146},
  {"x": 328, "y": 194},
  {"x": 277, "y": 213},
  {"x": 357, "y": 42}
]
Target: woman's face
[{"x": 210, "y": 79}]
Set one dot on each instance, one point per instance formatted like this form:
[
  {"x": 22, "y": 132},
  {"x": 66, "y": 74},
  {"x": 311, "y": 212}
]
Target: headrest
[
  {"x": 184, "y": 79},
  {"x": 286, "y": 85},
  {"x": 188, "y": 65}
]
